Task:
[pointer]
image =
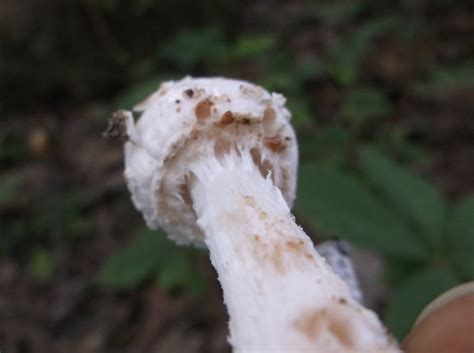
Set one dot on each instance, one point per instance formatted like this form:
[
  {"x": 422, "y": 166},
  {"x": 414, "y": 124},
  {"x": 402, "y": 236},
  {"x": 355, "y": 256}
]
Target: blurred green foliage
[
  {"x": 413, "y": 294},
  {"x": 413, "y": 198},
  {"x": 42, "y": 264},
  {"x": 37, "y": 221},
  {"x": 60, "y": 215},
  {"x": 207, "y": 49},
  {"x": 460, "y": 239},
  {"x": 345, "y": 55},
  {"x": 445, "y": 79},
  {"x": 9, "y": 188},
  {"x": 387, "y": 208},
  {"x": 339, "y": 205},
  {"x": 152, "y": 254},
  {"x": 361, "y": 105}
]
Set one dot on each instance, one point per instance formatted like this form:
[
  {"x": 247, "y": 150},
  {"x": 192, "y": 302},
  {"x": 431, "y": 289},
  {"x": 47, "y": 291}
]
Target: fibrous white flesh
[{"x": 280, "y": 294}]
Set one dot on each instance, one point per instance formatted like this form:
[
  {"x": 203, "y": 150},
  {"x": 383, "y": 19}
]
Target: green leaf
[
  {"x": 11, "y": 235},
  {"x": 361, "y": 105},
  {"x": 396, "y": 139},
  {"x": 301, "y": 112},
  {"x": 409, "y": 299},
  {"x": 338, "y": 12},
  {"x": 60, "y": 215},
  {"x": 10, "y": 186},
  {"x": 42, "y": 265},
  {"x": 152, "y": 253},
  {"x": 307, "y": 68},
  {"x": 132, "y": 96},
  {"x": 461, "y": 237},
  {"x": 398, "y": 270},
  {"x": 414, "y": 198},
  {"x": 179, "y": 273},
  {"x": 446, "y": 79},
  {"x": 329, "y": 145},
  {"x": 281, "y": 81},
  {"x": 344, "y": 56},
  {"x": 248, "y": 47},
  {"x": 142, "y": 6},
  {"x": 108, "y": 5},
  {"x": 339, "y": 205},
  {"x": 190, "y": 47},
  {"x": 133, "y": 264}
]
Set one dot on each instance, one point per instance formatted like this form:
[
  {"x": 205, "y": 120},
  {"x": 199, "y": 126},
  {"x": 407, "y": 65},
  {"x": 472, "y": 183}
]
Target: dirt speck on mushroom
[
  {"x": 189, "y": 93},
  {"x": 249, "y": 201},
  {"x": 310, "y": 324}
]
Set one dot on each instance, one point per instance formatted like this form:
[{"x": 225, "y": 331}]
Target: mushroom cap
[{"x": 193, "y": 120}]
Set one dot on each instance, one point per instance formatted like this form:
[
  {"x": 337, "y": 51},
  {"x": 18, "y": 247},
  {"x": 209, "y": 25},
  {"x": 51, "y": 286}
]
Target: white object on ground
[{"x": 337, "y": 255}]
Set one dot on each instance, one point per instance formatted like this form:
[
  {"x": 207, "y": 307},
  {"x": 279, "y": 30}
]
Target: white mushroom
[{"x": 213, "y": 162}]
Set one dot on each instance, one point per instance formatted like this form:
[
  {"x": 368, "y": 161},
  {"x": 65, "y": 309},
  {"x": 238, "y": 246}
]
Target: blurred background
[{"x": 382, "y": 95}]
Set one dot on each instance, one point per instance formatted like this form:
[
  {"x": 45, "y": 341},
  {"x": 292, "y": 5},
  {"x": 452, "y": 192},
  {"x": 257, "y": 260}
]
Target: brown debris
[
  {"x": 298, "y": 248},
  {"x": 38, "y": 141},
  {"x": 280, "y": 253},
  {"x": 276, "y": 258},
  {"x": 295, "y": 246},
  {"x": 274, "y": 143},
  {"x": 341, "y": 329},
  {"x": 189, "y": 93},
  {"x": 312, "y": 324},
  {"x": 246, "y": 121},
  {"x": 117, "y": 126}
]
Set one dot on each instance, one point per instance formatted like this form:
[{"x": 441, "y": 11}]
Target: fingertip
[{"x": 446, "y": 325}]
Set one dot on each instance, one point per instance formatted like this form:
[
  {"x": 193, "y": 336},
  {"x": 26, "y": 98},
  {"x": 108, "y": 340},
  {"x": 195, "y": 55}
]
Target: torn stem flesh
[{"x": 280, "y": 294}]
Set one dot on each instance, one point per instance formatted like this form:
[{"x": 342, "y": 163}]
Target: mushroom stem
[{"x": 280, "y": 294}]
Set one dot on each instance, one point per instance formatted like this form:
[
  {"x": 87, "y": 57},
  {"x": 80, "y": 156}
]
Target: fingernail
[
  {"x": 446, "y": 325},
  {"x": 446, "y": 298}
]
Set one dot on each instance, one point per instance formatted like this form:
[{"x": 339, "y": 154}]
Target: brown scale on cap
[
  {"x": 227, "y": 119},
  {"x": 274, "y": 143},
  {"x": 203, "y": 110},
  {"x": 269, "y": 116}
]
